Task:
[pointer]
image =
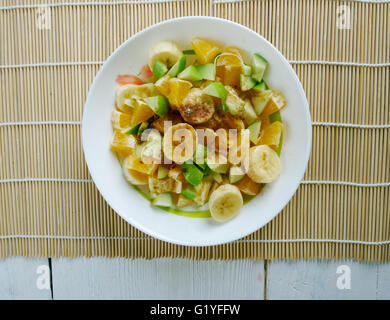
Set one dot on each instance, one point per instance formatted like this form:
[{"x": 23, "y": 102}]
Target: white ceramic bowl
[{"x": 127, "y": 202}]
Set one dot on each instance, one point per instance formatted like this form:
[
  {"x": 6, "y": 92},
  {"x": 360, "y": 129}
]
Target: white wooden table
[{"x": 101, "y": 278}]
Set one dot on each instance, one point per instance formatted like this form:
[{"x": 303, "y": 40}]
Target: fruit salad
[{"x": 198, "y": 131}]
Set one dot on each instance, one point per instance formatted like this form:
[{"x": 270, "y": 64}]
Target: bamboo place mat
[{"x": 49, "y": 205}]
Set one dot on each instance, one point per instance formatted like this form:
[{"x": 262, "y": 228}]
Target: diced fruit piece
[
  {"x": 162, "y": 85},
  {"x": 228, "y": 75},
  {"x": 183, "y": 201},
  {"x": 129, "y": 94},
  {"x": 249, "y": 113},
  {"x": 124, "y": 79},
  {"x": 134, "y": 163},
  {"x": 259, "y": 64},
  {"x": 247, "y": 186},
  {"x": 189, "y": 51},
  {"x": 190, "y": 74},
  {"x": 207, "y": 71},
  {"x": 163, "y": 200},
  {"x": 142, "y": 112},
  {"x": 178, "y": 90},
  {"x": 160, "y": 185},
  {"x": 192, "y": 174},
  {"x": 189, "y": 193},
  {"x": 261, "y": 86},
  {"x": 236, "y": 174},
  {"x": 254, "y": 132},
  {"x": 260, "y": 100},
  {"x": 234, "y": 50},
  {"x": 229, "y": 59},
  {"x": 142, "y": 127},
  {"x": 200, "y": 154},
  {"x": 271, "y": 135},
  {"x": 132, "y": 130},
  {"x": 216, "y": 89},
  {"x": 216, "y": 177},
  {"x": 179, "y": 142},
  {"x": 159, "y": 104},
  {"x": 277, "y": 102},
  {"x": 233, "y": 102},
  {"x": 246, "y": 82},
  {"x": 246, "y": 70},
  {"x": 202, "y": 191},
  {"x": 120, "y": 120},
  {"x": 123, "y": 143},
  {"x": 134, "y": 177},
  {"x": 159, "y": 69},
  {"x": 162, "y": 172},
  {"x": 178, "y": 67},
  {"x": 204, "y": 50},
  {"x": 275, "y": 117},
  {"x": 219, "y": 165},
  {"x": 146, "y": 74}
]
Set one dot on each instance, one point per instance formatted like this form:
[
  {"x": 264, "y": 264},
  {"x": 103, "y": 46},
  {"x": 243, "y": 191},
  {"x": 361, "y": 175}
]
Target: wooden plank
[
  {"x": 383, "y": 281},
  {"x": 24, "y": 278},
  {"x": 100, "y": 278},
  {"x": 308, "y": 279}
]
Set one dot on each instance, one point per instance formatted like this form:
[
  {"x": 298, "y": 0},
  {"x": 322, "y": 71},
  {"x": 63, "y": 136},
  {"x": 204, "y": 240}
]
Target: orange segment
[
  {"x": 271, "y": 134},
  {"x": 142, "y": 112},
  {"x": 247, "y": 186},
  {"x": 276, "y": 103},
  {"x": 123, "y": 143},
  {"x": 162, "y": 85},
  {"x": 229, "y": 59},
  {"x": 204, "y": 50},
  {"x": 233, "y": 50},
  {"x": 120, "y": 120},
  {"x": 178, "y": 90},
  {"x": 136, "y": 164},
  {"x": 229, "y": 75}
]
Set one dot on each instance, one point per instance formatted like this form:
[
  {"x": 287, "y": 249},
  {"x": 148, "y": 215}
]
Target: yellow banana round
[
  {"x": 180, "y": 142},
  {"x": 166, "y": 52},
  {"x": 225, "y": 202},
  {"x": 264, "y": 164}
]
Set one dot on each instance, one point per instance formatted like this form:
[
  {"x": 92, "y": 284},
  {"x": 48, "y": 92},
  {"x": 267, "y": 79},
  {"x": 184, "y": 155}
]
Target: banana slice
[
  {"x": 196, "y": 107},
  {"x": 125, "y": 95},
  {"x": 264, "y": 164},
  {"x": 165, "y": 51},
  {"x": 134, "y": 177},
  {"x": 225, "y": 202},
  {"x": 180, "y": 142}
]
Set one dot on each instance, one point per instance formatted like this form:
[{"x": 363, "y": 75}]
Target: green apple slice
[
  {"x": 275, "y": 117},
  {"x": 200, "y": 154},
  {"x": 190, "y": 73},
  {"x": 260, "y": 100},
  {"x": 192, "y": 174},
  {"x": 163, "y": 200},
  {"x": 249, "y": 113},
  {"x": 189, "y": 51},
  {"x": 178, "y": 67},
  {"x": 261, "y": 86},
  {"x": 132, "y": 130},
  {"x": 162, "y": 172},
  {"x": 159, "y": 104},
  {"x": 246, "y": 70},
  {"x": 189, "y": 193},
  {"x": 216, "y": 89},
  {"x": 207, "y": 71},
  {"x": 235, "y": 174},
  {"x": 246, "y": 82},
  {"x": 254, "y": 131},
  {"x": 233, "y": 102},
  {"x": 259, "y": 64},
  {"x": 159, "y": 69}
]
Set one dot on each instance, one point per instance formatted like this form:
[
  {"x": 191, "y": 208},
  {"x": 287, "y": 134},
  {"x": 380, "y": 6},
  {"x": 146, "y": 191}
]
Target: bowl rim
[{"x": 199, "y": 242}]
